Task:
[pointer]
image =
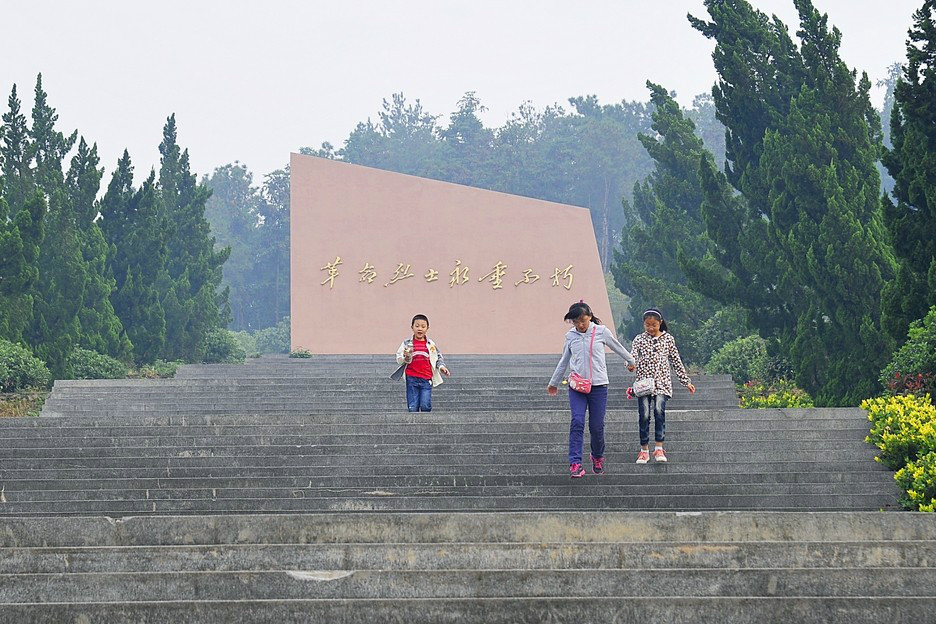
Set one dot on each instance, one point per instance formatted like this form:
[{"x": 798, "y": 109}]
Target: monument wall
[{"x": 495, "y": 273}]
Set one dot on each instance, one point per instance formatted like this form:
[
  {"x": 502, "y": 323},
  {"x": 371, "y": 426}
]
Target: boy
[{"x": 424, "y": 364}]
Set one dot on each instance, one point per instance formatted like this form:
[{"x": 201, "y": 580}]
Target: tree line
[{"x": 133, "y": 274}]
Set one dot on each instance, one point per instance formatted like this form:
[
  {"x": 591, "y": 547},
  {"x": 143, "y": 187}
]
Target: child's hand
[
  {"x": 631, "y": 367},
  {"x": 691, "y": 389},
  {"x": 407, "y": 354},
  {"x": 445, "y": 371},
  {"x": 552, "y": 390}
]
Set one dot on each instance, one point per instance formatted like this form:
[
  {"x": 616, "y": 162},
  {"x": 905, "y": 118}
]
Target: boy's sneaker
[
  {"x": 597, "y": 464},
  {"x": 643, "y": 457},
  {"x": 576, "y": 471},
  {"x": 659, "y": 455}
]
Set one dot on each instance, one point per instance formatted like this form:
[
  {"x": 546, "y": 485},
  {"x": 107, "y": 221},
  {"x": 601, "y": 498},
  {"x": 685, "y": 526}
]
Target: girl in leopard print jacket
[{"x": 655, "y": 350}]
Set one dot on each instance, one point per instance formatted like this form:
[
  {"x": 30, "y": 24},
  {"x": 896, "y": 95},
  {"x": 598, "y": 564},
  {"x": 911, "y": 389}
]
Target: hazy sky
[{"x": 253, "y": 81}]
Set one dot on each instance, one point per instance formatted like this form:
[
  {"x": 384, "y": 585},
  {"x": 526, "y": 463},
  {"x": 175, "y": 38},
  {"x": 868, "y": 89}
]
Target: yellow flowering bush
[
  {"x": 918, "y": 481},
  {"x": 756, "y": 395},
  {"x": 903, "y": 427}
]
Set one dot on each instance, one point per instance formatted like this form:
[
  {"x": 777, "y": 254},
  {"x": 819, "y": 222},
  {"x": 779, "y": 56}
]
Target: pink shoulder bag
[{"x": 576, "y": 381}]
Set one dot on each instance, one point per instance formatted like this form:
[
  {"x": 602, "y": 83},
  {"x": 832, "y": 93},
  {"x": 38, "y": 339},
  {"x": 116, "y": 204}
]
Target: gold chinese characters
[{"x": 458, "y": 276}]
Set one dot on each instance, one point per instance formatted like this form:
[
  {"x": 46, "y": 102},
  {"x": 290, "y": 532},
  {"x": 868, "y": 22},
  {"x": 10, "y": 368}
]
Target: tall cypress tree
[
  {"x": 18, "y": 185},
  {"x": 101, "y": 329},
  {"x": 806, "y": 247},
  {"x": 59, "y": 292},
  {"x": 131, "y": 224},
  {"x": 911, "y": 222},
  {"x": 22, "y": 209},
  {"x": 20, "y": 237},
  {"x": 193, "y": 299},
  {"x": 668, "y": 206}
]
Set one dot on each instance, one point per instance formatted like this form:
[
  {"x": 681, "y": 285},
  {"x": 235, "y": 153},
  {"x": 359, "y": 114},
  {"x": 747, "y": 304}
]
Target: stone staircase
[{"x": 283, "y": 490}]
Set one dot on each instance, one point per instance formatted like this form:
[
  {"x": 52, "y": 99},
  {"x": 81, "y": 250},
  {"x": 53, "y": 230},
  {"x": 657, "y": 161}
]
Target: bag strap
[{"x": 591, "y": 348}]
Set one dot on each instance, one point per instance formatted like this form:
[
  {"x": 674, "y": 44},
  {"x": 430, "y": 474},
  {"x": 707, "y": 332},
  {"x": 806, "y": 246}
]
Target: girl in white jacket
[{"x": 584, "y": 354}]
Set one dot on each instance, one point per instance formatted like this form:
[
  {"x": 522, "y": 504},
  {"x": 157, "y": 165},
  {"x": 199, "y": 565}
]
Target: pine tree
[
  {"x": 806, "y": 246},
  {"x": 131, "y": 225},
  {"x": 59, "y": 291},
  {"x": 669, "y": 226},
  {"x": 101, "y": 329},
  {"x": 193, "y": 299},
  {"x": 18, "y": 185},
  {"x": 911, "y": 222},
  {"x": 20, "y": 237}
]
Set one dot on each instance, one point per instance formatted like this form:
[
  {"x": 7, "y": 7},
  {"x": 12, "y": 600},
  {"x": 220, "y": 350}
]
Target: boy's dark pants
[
  {"x": 596, "y": 402},
  {"x": 418, "y": 394},
  {"x": 656, "y": 402}
]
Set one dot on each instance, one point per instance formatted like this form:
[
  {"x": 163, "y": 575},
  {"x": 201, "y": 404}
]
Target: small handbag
[
  {"x": 644, "y": 387},
  {"x": 576, "y": 381}
]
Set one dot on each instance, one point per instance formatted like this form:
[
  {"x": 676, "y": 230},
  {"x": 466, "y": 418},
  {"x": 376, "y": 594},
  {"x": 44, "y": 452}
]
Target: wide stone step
[
  {"x": 786, "y": 437},
  {"x": 738, "y": 418},
  {"x": 741, "y": 450},
  {"x": 590, "y": 487},
  {"x": 699, "y": 429},
  {"x": 850, "y": 610},
  {"x": 481, "y": 583},
  {"x": 568, "y": 555},
  {"x": 512, "y": 527},
  {"x": 180, "y": 480},
  {"x": 311, "y": 467},
  {"x": 386, "y": 501}
]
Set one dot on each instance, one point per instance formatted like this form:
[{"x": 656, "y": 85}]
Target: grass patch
[{"x": 23, "y": 404}]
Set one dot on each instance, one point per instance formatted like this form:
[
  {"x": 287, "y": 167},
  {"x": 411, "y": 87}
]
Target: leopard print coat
[{"x": 654, "y": 356}]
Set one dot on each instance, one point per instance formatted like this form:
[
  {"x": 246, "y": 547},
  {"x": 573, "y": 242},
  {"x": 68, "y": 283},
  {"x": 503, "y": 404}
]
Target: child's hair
[
  {"x": 654, "y": 313},
  {"x": 420, "y": 317},
  {"x": 578, "y": 309}
]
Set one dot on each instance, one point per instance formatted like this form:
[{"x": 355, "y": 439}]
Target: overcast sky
[{"x": 253, "y": 81}]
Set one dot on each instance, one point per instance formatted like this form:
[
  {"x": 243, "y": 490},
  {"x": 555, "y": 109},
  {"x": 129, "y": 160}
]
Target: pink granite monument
[{"x": 494, "y": 272}]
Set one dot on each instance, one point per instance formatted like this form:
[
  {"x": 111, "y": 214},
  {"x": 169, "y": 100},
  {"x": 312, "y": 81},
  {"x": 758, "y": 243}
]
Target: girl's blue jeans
[
  {"x": 595, "y": 402},
  {"x": 656, "y": 402},
  {"x": 418, "y": 394}
]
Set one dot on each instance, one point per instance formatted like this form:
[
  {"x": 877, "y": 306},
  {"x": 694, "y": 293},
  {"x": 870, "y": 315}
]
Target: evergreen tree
[
  {"x": 22, "y": 209},
  {"x": 669, "y": 226},
  {"x": 193, "y": 300},
  {"x": 101, "y": 329},
  {"x": 911, "y": 222},
  {"x": 59, "y": 291},
  {"x": 18, "y": 183},
  {"x": 468, "y": 145},
  {"x": 20, "y": 237},
  {"x": 806, "y": 246},
  {"x": 131, "y": 224}
]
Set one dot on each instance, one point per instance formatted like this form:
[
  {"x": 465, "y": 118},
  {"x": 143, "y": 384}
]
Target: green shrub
[
  {"x": 758, "y": 395},
  {"x": 744, "y": 359},
  {"x": 87, "y": 364},
  {"x": 300, "y": 353},
  {"x": 902, "y": 427},
  {"x": 160, "y": 369},
  {"x": 912, "y": 370},
  {"x": 715, "y": 332},
  {"x": 220, "y": 347},
  {"x": 918, "y": 481},
  {"x": 20, "y": 369},
  {"x": 246, "y": 341},
  {"x": 274, "y": 339}
]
